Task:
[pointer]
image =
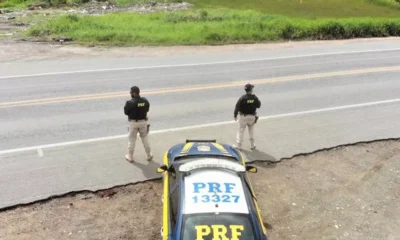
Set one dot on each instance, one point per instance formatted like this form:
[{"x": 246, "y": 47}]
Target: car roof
[
  {"x": 214, "y": 190},
  {"x": 189, "y": 149}
]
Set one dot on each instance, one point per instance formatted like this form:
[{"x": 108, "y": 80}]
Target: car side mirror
[
  {"x": 251, "y": 169},
  {"x": 162, "y": 169}
]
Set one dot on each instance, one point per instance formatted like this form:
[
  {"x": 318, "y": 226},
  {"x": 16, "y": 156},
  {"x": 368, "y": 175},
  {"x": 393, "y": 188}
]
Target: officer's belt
[{"x": 136, "y": 120}]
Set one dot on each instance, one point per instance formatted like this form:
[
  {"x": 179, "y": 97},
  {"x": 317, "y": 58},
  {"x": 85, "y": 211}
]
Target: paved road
[
  {"x": 53, "y": 108},
  {"x": 30, "y": 124}
]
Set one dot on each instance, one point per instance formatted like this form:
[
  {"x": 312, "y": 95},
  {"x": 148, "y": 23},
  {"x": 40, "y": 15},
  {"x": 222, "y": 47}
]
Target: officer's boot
[
  {"x": 129, "y": 156},
  {"x": 238, "y": 146},
  {"x": 252, "y": 144},
  {"x": 149, "y": 157}
]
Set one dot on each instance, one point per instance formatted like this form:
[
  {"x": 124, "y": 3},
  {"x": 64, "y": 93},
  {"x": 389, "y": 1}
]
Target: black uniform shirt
[
  {"x": 137, "y": 108},
  {"x": 247, "y": 104}
]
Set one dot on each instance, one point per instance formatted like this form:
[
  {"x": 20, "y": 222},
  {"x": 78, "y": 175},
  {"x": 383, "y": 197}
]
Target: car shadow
[
  {"x": 268, "y": 226},
  {"x": 149, "y": 169}
]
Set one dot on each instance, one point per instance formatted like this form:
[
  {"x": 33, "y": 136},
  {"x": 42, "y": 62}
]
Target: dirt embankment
[{"x": 345, "y": 193}]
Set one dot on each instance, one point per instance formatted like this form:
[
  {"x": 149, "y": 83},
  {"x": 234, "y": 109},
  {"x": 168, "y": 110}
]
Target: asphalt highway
[
  {"x": 69, "y": 103},
  {"x": 47, "y": 109}
]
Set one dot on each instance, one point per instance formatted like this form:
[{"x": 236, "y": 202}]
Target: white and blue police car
[{"x": 207, "y": 195}]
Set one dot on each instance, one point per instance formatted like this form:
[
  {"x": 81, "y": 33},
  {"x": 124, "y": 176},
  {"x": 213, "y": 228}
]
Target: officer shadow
[
  {"x": 259, "y": 156},
  {"x": 149, "y": 169}
]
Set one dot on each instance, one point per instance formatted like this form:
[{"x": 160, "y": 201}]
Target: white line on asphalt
[
  {"x": 194, "y": 64},
  {"x": 200, "y": 126}
]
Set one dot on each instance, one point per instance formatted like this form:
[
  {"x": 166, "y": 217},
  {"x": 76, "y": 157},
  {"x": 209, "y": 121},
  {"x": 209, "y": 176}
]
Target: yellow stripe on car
[
  {"x": 260, "y": 217},
  {"x": 165, "y": 201},
  {"x": 255, "y": 199},
  {"x": 187, "y": 147},
  {"x": 243, "y": 159},
  {"x": 257, "y": 208},
  {"x": 221, "y": 148}
]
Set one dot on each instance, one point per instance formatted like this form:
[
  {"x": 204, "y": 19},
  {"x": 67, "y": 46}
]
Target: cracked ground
[{"x": 349, "y": 192}]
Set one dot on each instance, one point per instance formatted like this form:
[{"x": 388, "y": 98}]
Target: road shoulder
[{"x": 13, "y": 51}]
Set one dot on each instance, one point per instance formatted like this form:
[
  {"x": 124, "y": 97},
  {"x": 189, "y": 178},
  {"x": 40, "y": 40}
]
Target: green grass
[
  {"x": 300, "y": 8},
  {"x": 227, "y": 21},
  {"x": 21, "y": 4},
  {"x": 131, "y": 2},
  {"x": 291, "y": 8},
  {"x": 15, "y": 4},
  {"x": 217, "y": 26},
  {"x": 311, "y": 8}
]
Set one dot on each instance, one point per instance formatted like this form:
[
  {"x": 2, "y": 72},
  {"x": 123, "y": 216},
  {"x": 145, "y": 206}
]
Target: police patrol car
[{"x": 207, "y": 195}]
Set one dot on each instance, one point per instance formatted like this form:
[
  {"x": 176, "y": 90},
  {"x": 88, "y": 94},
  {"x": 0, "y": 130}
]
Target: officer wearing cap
[
  {"x": 246, "y": 107},
  {"x": 136, "y": 109}
]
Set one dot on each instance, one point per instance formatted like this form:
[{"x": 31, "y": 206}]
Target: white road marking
[
  {"x": 194, "y": 64},
  {"x": 91, "y": 140},
  {"x": 40, "y": 152}
]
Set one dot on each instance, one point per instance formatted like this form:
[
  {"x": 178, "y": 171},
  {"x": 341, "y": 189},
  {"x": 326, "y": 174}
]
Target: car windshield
[
  {"x": 217, "y": 226},
  {"x": 186, "y": 159}
]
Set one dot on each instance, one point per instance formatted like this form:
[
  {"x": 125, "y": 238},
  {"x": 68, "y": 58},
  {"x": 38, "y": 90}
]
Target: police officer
[
  {"x": 136, "y": 109},
  {"x": 246, "y": 107}
]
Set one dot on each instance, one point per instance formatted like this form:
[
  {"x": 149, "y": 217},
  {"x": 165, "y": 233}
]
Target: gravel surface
[{"x": 347, "y": 193}]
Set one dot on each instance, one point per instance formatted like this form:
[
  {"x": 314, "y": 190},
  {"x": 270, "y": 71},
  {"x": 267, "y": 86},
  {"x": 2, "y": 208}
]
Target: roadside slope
[
  {"x": 207, "y": 22},
  {"x": 207, "y": 27}
]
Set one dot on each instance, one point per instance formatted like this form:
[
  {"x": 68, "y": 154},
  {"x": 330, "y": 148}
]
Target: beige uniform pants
[
  {"x": 244, "y": 121},
  {"x": 141, "y": 128}
]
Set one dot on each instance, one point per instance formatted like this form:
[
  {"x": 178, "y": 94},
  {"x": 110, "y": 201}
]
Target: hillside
[
  {"x": 291, "y": 8},
  {"x": 145, "y": 22},
  {"x": 311, "y": 8}
]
